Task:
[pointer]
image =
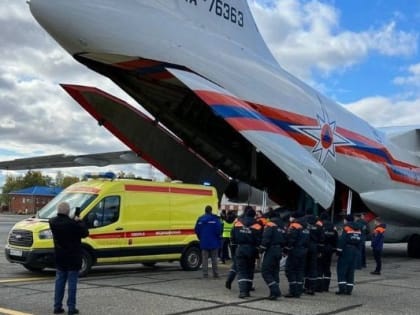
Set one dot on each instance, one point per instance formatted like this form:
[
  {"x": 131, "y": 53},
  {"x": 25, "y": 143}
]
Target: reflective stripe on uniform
[{"x": 245, "y": 280}]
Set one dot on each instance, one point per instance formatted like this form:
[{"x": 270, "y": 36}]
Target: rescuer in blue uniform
[
  {"x": 347, "y": 251},
  {"x": 274, "y": 238},
  {"x": 316, "y": 239},
  {"x": 246, "y": 234},
  {"x": 362, "y": 225},
  {"x": 297, "y": 247},
  {"x": 378, "y": 244},
  {"x": 330, "y": 245}
]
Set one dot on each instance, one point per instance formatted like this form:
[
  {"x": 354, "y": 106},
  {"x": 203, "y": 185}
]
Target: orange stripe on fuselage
[
  {"x": 217, "y": 98},
  {"x": 246, "y": 124},
  {"x": 240, "y": 124}
]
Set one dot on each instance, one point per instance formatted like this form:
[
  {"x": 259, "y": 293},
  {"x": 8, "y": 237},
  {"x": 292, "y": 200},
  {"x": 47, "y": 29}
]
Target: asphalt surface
[{"x": 135, "y": 289}]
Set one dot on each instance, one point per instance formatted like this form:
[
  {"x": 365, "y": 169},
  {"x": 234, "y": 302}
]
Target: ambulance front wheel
[
  {"x": 191, "y": 258},
  {"x": 86, "y": 263}
]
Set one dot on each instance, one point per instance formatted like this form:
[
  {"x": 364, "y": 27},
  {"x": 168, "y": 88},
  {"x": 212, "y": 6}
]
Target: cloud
[
  {"x": 306, "y": 37},
  {"x": 381, "y": 111},
  {"x": 413, "y": 78},
  {"x": 35, "y": 110},
  {"x": 37, "y": 116}
]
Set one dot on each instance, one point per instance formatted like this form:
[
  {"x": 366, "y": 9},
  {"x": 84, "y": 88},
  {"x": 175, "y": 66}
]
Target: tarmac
[
  {"x": 133, "y": 289},
  {"x": 168, "y": 290}
]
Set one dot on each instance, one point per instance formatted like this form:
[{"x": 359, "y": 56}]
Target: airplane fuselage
[{"x": 219, "y": 41}]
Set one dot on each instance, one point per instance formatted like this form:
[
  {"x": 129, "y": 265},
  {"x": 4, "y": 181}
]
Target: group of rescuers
[{"x": 309, "y": 243}]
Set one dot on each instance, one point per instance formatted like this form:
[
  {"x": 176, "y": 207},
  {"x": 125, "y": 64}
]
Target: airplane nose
[
  {"x": 55, "y": 18},
  {"x": 42, "y": 10}
]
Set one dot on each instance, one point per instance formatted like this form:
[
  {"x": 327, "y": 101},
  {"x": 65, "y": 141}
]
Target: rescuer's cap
[
  {"x": 324, "y": 216},
  {"x": 250, "y": 212},
  {"x": 297, "y": 214},
  {"x": 349, "y": 218}
]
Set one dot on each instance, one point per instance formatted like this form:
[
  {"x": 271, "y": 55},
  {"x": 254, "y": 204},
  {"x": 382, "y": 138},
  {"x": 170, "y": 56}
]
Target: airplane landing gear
[{"x": 413, "y": 246}]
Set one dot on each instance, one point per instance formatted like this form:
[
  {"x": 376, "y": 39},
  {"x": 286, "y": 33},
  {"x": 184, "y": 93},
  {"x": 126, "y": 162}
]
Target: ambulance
[{"x": 129, "y": 221}]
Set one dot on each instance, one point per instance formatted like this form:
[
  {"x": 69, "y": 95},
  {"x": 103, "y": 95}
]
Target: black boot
[
  {"x": 292, "y": 291},
  {"x": 342, "y": 289},
  {"x": 274, "y": 292},
  {"x": 326, "y": 285},
  {"x": 231, "y": 276},
  {"x": 243, "y": 295}
]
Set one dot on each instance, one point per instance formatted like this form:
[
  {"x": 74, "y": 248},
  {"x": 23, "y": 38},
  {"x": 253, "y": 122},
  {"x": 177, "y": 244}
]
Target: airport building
[{"x": 30, "y": 200}]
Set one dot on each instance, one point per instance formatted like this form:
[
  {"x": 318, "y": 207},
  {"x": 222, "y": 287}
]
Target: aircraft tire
[{"x": 413, "y": 246}]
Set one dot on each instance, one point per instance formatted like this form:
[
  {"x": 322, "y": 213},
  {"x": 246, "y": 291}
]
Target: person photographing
[{"x": 67, "y": 235}]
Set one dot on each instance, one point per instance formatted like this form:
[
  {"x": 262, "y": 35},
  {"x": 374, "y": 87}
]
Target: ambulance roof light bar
[{"x": 99, "y": 175}]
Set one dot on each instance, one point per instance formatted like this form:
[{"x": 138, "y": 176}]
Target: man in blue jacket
[
  {"x": 378, "y": 245},
  {"x": 209, "y": 232}
]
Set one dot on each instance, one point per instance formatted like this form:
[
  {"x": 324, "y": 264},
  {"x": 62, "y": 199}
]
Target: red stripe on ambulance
[
  {"x": 141, "y": 234},
  {"x": 173, "y": 190}
]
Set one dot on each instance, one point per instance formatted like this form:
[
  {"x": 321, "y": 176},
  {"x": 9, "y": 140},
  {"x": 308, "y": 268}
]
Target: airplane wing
[
  {"x": 65, "y": 160},
  {"x": 298, "y": 164},
  {"x": 407, "y": 137}
]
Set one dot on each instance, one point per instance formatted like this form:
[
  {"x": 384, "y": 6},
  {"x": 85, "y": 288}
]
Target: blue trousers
[
  {"x": 377, "y": 254},
  {"x": 61, "y": 278}
]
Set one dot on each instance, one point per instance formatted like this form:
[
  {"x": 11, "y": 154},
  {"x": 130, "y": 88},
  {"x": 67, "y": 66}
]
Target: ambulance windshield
[{"x": 81, "y": 200}]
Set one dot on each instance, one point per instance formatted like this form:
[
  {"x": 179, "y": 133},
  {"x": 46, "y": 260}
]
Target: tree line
[{"x": 34, "y": 178}]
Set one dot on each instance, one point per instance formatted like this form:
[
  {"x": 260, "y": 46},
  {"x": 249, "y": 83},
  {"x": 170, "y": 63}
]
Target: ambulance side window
[{"x": 106, "y": 211}]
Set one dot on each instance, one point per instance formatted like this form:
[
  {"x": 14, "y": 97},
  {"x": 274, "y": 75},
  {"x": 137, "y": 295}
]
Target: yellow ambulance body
[{"x": 130, "y": 221}]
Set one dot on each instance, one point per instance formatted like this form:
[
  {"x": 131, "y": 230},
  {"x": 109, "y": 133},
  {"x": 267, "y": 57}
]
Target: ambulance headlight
[{"x": 45, "y": 235}]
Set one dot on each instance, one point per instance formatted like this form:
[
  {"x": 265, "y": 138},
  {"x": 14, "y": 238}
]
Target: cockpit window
[{"x": 106, "y": 211}]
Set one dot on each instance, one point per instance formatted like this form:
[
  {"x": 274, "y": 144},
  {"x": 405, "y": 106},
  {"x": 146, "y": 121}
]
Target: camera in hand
[{"x": 77, "y": 212}]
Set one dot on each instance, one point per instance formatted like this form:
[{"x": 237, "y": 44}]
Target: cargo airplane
[{"x": 224, "y": 110}]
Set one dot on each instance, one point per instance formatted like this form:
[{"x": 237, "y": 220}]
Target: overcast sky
[{"x": 362, "y": 53}]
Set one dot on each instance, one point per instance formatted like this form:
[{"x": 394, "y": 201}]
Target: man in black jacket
[{"x": 67, "y": 235}]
